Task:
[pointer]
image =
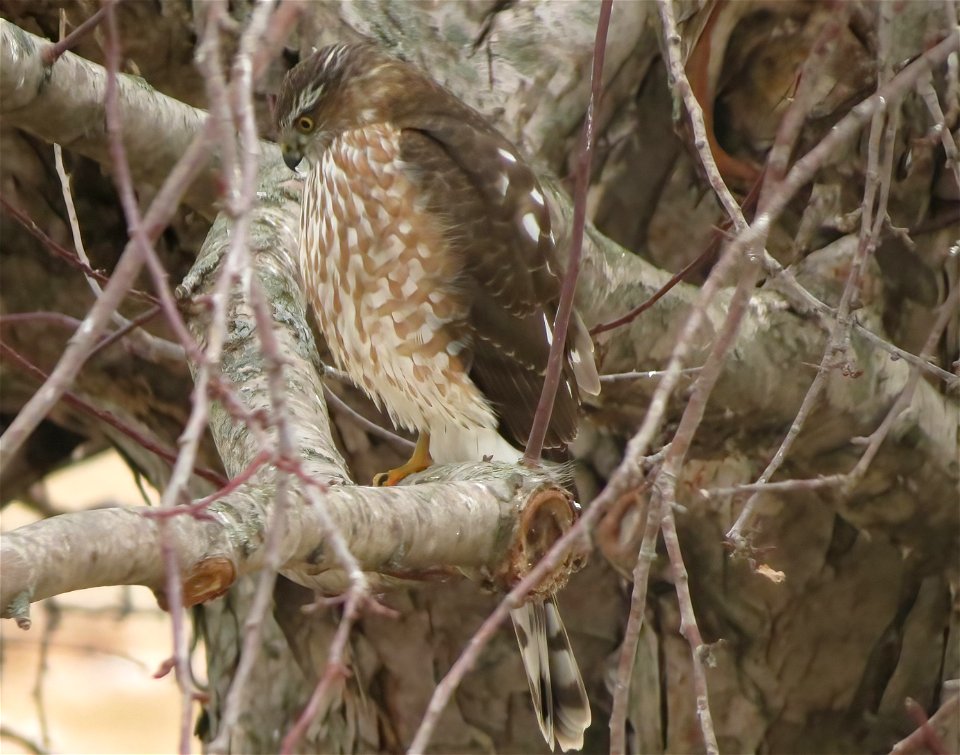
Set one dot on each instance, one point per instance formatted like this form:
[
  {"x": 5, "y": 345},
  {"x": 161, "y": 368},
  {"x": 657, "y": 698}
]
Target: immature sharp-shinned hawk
[{"x": 427, "y": 255}]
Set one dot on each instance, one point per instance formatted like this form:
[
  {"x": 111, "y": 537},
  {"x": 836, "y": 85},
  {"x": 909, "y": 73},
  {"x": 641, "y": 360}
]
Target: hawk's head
[{"x": 341, "y": 87}]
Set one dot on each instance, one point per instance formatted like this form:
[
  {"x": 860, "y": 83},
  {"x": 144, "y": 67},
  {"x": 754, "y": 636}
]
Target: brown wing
[{"x": 496, "y": 222}]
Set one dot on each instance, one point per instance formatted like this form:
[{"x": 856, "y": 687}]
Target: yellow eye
[{"x": 305, "y": 124}]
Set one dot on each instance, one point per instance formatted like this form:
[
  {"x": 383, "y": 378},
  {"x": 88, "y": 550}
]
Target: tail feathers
[
  {"x": 559, "y": 698},
  {"x": 571, "y": 708}
]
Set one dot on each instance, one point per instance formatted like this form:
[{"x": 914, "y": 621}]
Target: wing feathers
[{"x": 498, "y": 226}]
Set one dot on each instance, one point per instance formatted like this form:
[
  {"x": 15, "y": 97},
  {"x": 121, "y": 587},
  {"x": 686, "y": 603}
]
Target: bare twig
[
  {"x": 52, "y": 52},
  {"x": 947, "y": 310},
  {"x": 151, "y": 343},
  {"x": 925, "y": 735},
  {"x": 551, "y": 380},
  {"x": 60, "y": 251},
  {"x": 106, "y": 417},
  {"x": 124, "y": 182},
  {"x": 124, "y": 274},
  {"x": 708, "y": 254},
  {"x": 371, "y": 427},
  {"x": 622, "y": 377},
  {"x": 872, "y": 214},
  {"x": 929, "y": 95},
  {"x": 780, "y": 486}
]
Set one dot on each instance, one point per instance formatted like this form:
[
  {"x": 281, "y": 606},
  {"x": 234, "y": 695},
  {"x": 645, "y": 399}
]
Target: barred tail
[{"x": 559, "y": 698}]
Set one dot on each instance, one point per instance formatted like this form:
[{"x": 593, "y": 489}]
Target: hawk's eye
[{"x": 305, "y": 124}]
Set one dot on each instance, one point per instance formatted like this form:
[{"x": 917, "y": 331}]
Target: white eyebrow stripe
[{"x": 308, "y": 98}]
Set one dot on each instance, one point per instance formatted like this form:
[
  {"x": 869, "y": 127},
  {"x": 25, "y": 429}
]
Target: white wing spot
[
  {"x": 508, "y": 156},
  {"x": 531, "y": 226},
  {"x": 547, "y": 329},
  {"x": 503, "y": 184},
  {"x": 537, "y": 197}
]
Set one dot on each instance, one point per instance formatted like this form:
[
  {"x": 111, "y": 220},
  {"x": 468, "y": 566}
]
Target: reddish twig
[
  {"x": 142, "y": 244},
  {"x": 54, "y": 318},
  {"x": 108, "y": 340},
  {"x": 197, "y": 508},
  {"x": 707, "y": 255},
  {"x": 53, "y": 51},
  {"x": 106, "y": 417},
  {"x": 551, "y": 380},
  {"x": 925, "y": 735},
  {"x": 60, "y": 251},
  {"x": 119, "y": 284}
]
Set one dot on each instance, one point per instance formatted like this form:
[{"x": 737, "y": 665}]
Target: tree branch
[{"x": 471, "y": 513}]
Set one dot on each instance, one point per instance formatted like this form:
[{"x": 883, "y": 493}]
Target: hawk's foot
[{"x": 419, "y": 461}]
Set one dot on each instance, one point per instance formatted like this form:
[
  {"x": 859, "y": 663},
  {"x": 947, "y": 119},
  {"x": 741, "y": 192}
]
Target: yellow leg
[{"x": 419, "y": 461}]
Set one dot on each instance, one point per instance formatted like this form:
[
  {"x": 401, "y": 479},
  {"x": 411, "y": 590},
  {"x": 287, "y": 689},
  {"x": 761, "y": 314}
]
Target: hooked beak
[{"x": 291, "y": 156}]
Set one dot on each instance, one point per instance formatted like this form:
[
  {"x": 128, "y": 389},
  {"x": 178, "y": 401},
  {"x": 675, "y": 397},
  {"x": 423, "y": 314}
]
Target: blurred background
[{"x": 95, "y": 687}]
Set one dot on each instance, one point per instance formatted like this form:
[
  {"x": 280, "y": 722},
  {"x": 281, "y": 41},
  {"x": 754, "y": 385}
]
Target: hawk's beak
[{"x": 291, "y": 156}]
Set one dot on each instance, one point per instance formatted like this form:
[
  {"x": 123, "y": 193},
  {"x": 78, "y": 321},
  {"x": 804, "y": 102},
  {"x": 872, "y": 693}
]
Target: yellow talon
[{"x": 418, "y": 461}]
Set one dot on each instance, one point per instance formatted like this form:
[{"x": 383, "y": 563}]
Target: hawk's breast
[{"x": 383, "y": 284}]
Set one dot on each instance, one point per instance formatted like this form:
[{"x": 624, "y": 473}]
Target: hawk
[{"x": 427, "y": 256}]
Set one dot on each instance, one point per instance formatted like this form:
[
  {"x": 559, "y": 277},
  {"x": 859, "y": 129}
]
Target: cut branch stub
[
  {"x": 205, "y": 580},
  {"x": 550, "y": 511}
]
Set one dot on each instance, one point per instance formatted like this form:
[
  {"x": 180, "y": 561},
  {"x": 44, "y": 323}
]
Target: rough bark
[{"x": 821, "y": 661}]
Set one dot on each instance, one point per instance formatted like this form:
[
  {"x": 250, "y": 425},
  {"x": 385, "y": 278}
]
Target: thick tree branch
[
  {"x": 471, "y": 512},
  {"x": 63, "y": 103}
]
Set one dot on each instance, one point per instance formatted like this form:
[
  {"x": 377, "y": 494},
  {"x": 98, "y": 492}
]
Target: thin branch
[
  {"x": 106, "y": 417},
  {"x": 158, "y": 346},
  {"x": 371, "y": 427},
  {"x": 872, "y": 213},
  {"x": 929, "y": 96},
  {"x": 121, "y": 281},
  {"x": 948, "y": 310},
  {"x": 925, "y": 735},
  {"x": 780, "y": 486},
  {"x": 622, "y": 377},
  {"x": 708, "y": 254},
  {"x": 60, "y": 251},
  {"x": 561, "y": 322},
  {"x": 53, "y": 52},
  {"x": 124, "y": 183}
]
